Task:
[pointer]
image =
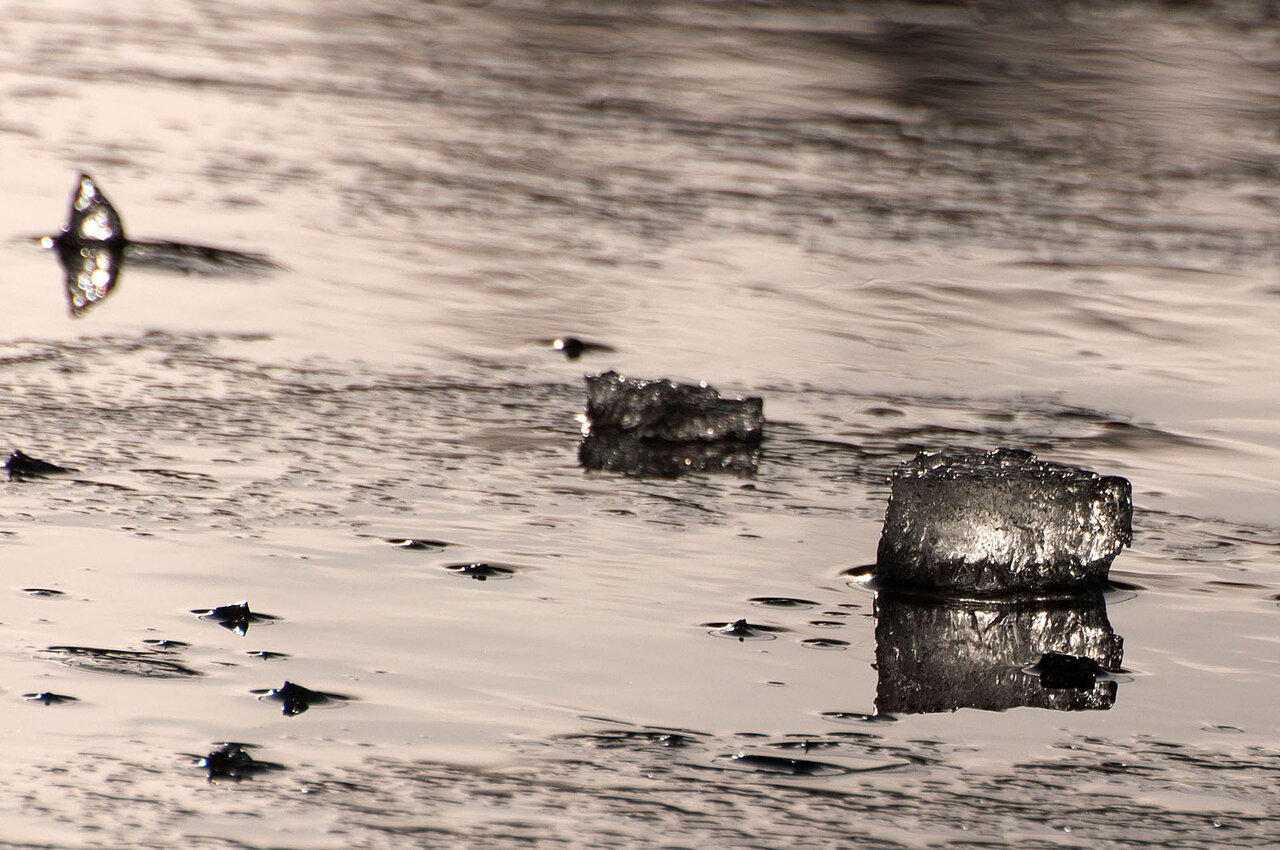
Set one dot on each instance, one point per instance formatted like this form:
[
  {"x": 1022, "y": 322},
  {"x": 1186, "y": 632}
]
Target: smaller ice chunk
[
  {"x": 963, "y": 521},
  {"x": 667, "y": 411}
]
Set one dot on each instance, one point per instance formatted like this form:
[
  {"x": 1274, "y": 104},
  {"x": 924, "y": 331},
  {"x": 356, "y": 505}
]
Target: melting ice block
[
  {"x": 999, "y": 522},
  {"x": 666, "y": 411}
]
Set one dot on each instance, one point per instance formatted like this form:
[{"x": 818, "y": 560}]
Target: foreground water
[{"x": 905, "y": 226}]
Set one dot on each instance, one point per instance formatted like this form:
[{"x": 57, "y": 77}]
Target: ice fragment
[{"x": 1002, "y": 521}]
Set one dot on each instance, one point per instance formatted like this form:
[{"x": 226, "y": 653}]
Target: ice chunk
[
  {"x": 665, "y": 410},
  {"x": 997, "y": 522}
]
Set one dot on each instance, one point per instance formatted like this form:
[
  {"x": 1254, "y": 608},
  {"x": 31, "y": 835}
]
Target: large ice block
[
  {"x": 997, "y": 522},
  {"x": 671, "y": 412}
]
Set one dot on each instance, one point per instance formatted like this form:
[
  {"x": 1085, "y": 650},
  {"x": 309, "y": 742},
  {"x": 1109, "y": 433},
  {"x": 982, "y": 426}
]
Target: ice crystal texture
[{"x": 1001, "y": 521}]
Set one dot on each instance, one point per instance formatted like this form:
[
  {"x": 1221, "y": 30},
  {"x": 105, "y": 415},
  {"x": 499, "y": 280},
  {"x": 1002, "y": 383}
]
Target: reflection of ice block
[
  {"x": 940, "y": 654},
  {"x": 995, "y": 522},
  {"x": 665, "y": 410},
  {"x": 618, "y": 452}
]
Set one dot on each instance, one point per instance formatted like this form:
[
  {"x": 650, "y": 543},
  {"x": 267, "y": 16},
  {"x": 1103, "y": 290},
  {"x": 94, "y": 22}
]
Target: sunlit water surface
[{"x": 1047, "y": 226}]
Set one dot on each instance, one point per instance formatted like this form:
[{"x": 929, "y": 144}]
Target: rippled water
[{"x": 906, "y": 226}]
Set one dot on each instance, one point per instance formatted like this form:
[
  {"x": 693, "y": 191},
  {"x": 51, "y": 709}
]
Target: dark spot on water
[
  {"x": 124, "y": 662},
  {"x": 418, "y": 543},
  {"x": 741, "y": 630},
  {"x": 481, "y": 571},
  {"x": 827, "y": 624},
  {"x": 49, "y": 698},
  {"x": 43, "y": 591},
  {"x": 21, "y": 466},
  {"x": 824, "y": 643},
  {"x": 778, "y": 765},
  {"x": 295, "y": 699},
  {"x": 781, "y": 602},
  {"x": 884, "y": 411},
  {"x": 266, "y": 655},
  {"x": 235, "y": 617},
  {"x": 233, "y": 761}
]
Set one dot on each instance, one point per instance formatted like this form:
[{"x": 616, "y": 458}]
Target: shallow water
[{"x": 906, "y": 226}]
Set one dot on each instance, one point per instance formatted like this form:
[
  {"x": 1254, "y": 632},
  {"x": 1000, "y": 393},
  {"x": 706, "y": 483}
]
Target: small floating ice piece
[
  {"x": 49, "y": 698},
  {"x": 233, "y": 761},
  {"x": 667, "y": 411},
  {"x": 572, "y": 347},
  {"x": 295, "y": 699},
  {"x": 1000, "y": 522},
  {"x": 235, "y": 617}
]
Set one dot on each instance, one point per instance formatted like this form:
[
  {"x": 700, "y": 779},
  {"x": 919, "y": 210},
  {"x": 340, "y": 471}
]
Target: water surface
[{"x": 906, "y": 226}]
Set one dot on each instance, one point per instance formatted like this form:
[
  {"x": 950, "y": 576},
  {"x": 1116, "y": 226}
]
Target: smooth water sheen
[{"x": 906, "y": 226}]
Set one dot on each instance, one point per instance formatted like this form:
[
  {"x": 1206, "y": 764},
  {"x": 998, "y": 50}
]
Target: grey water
[{"x": 905, "y": 226}]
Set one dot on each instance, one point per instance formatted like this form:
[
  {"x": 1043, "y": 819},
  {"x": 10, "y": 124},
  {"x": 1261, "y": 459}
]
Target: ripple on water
[{"x": 481, "y": 571}]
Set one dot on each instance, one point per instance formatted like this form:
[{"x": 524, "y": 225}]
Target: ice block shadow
[
  {"x": 936, "y": 654},
  {"x": 93, "y": 251}
]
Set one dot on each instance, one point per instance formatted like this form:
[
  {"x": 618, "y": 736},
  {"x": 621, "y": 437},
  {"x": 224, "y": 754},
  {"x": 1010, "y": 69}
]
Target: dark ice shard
[
  {"x": 937, "y": 654},
  {"x": 671, "y": 412},
  {"x": 999, "y": 522},
  {"x": 22, "y": 466}
]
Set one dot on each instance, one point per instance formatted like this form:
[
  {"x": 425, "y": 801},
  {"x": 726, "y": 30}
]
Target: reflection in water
[
  {"x": 935, "y": 654},
  {"x": 623, "y": 452},
  {"x": 661, "y": 428},
  {"x": 92, "y": 249}
]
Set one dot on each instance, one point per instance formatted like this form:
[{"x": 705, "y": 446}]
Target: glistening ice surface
[{"x": 904, "y": 226}]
